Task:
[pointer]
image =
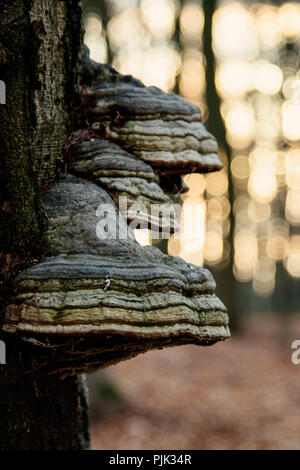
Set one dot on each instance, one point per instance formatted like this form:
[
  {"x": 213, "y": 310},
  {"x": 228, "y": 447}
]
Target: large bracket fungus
[
  {"x": 98, "y": 310},
  {"x": 99, "y": 297}
]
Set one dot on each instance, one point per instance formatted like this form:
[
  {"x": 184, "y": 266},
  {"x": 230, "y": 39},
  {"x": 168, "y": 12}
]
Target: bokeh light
[
  {"x": 143, "y": 236},
  {"x": 267, "y": 77},
  {"x": 192, "y": 77},
  {"x": 234, "y": 32},
  {"x": 240, "y": 123},
  {"x": 159, "y": 16},
  {"x": 290, "y": 120},
  {"x": 191, "y": 21},
  {"x": 262, "y": 184},
  {"x": 292, "y": 261},
  {"x": 233, "y": 78},
  {"x": 268, "y": 28},
  {"x": 289, "y": 19},
  {"x": 94, "y": 38}
]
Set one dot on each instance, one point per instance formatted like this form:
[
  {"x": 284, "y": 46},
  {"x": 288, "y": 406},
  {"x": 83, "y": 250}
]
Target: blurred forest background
[{"x": 239, "y": 61}]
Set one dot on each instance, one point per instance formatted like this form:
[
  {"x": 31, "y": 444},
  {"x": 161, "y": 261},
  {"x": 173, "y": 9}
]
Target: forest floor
[{"x": 240, "y": 394}]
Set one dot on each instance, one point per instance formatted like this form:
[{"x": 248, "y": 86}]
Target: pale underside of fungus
[{"x": 99, "y": 297}]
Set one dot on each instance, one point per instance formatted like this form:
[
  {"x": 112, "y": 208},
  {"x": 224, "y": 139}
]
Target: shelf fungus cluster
[{"x": 99, "y": 297}]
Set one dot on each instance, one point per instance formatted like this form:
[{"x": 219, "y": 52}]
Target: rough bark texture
[
  {"x": 30, "y": 420},
  {"x": 39, "y": 44}
]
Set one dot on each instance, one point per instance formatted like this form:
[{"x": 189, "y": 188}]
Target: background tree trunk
[
  {"x": 39, "y": 46},
  {"x": 224, "y": 278}
]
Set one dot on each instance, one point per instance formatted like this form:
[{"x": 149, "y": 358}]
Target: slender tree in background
[
  {"x": 39, "y": 47},
  {"x": 215, "y": 125}
]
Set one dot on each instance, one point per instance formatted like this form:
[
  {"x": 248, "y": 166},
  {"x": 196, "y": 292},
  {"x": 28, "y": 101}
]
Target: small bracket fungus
[{"x": 122, "y": 174}]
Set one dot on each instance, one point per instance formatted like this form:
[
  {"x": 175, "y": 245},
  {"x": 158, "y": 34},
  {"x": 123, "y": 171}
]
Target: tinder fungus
[
  {"x": 99, "y": 310},
  {"x": 123, "y": 175},
  {"x": 81, "y": 216},
  {"x": 160, "y": 128}
]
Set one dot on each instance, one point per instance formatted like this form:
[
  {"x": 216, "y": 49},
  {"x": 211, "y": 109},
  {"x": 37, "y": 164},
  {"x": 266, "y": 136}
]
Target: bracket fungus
[
  {"x": 81, "y": 216},
  {"x": 162, "y": 129},
  {"x": 90, "y": 311},
  {"x": 123, "y": 175},
  {"x": 99, "y": 297}
]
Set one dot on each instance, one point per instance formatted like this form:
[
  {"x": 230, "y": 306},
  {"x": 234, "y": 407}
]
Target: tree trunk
[
  {"x": 39, "y": 46},
  {"x": 224, "y": 278}
]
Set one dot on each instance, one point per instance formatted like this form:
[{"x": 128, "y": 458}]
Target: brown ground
[{"x": 241, "y": 394}]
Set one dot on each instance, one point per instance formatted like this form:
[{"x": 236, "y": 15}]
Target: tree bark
[
  {"x": 39, "y": 46},
  {"x": 43, "y": 412}
]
